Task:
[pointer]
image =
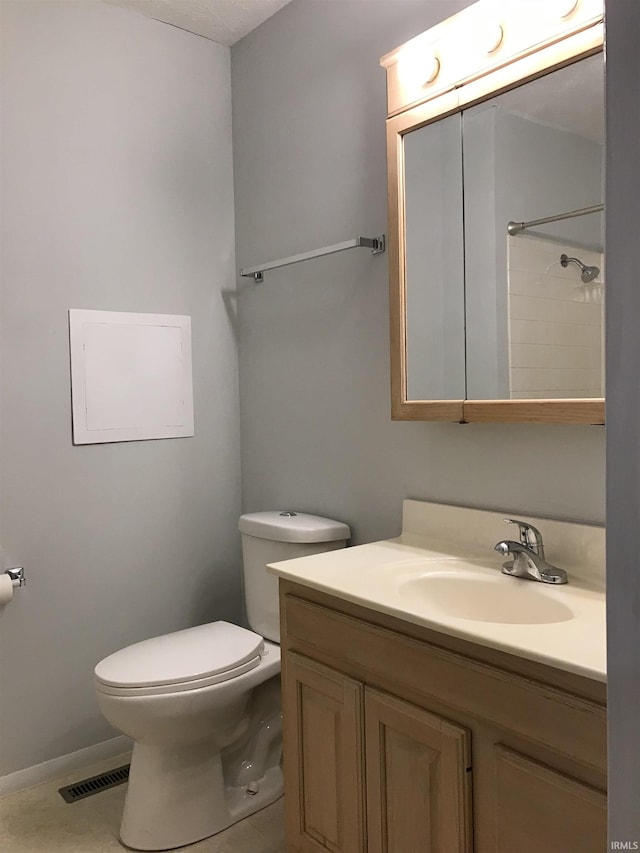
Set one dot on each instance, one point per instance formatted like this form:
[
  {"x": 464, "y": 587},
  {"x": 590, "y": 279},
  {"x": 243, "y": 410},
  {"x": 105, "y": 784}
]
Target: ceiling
[{"x": 223, "y": 21}]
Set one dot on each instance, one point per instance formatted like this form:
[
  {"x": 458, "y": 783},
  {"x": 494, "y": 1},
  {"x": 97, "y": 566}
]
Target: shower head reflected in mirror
[{"x": 587, "y": 273}]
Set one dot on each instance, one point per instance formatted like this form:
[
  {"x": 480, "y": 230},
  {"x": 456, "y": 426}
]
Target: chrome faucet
[{"x": 528, "y": 556}]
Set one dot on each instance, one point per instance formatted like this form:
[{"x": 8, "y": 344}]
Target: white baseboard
[{"x": 57, "y": 767}]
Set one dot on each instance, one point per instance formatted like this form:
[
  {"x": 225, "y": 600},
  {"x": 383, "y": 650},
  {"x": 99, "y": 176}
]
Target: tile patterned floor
[{"x": 39, "y": 821}]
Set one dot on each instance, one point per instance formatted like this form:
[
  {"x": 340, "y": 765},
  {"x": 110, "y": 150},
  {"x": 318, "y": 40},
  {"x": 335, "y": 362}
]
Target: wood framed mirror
[{"x": 495, "y": 144}]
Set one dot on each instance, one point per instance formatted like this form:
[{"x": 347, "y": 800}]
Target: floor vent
[{"x": 95, "y": 784}]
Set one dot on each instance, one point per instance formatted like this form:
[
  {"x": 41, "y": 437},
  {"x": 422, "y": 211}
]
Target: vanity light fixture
[
  {"x": 465, "y": 48},
  {"x": 495, "y": 38}
]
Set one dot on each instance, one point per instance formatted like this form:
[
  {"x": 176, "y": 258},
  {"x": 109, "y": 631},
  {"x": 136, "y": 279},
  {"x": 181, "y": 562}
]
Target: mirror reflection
[
  {"x": 526, "y": 307},
  {"x": 434, "y": 261}
]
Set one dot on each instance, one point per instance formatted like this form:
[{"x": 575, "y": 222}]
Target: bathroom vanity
[{"x": 416, "y": 720}]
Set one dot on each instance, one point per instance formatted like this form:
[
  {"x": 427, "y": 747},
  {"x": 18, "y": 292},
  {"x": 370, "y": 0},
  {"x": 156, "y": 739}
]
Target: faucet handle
[{"x": 529, "y": 535}]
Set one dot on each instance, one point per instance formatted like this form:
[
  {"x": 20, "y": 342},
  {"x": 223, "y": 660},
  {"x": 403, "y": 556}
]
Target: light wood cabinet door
[
  {"x": 418, "y": 779},
  {"x": 324, "y": 777},
  {"x": 539, "y": 809}
]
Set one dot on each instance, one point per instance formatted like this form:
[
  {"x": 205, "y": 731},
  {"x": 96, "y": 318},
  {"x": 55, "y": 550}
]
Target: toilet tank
[{"x": 268, "y": 537}]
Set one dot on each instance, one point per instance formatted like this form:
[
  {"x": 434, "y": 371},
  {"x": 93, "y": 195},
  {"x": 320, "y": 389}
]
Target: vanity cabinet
[{"x": 399, "y": 739}]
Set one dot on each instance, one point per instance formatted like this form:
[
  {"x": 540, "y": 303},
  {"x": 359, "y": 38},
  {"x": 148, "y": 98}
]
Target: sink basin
[{"x": 486, "y": 599}]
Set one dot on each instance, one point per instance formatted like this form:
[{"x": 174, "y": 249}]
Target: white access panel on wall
[{"x": 131, "y": 376}]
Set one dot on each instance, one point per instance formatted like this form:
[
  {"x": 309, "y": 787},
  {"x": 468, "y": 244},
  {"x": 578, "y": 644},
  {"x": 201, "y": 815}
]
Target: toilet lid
[{"x": 184, "y": 656}]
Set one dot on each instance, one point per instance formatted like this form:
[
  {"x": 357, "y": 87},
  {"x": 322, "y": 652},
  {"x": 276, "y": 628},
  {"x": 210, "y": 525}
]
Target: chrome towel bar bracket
[{"x": 17, "y": 576}]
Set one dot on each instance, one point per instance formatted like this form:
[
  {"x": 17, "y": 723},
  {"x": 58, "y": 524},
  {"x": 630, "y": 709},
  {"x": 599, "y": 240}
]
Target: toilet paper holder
[{"x": 17, "y": 576}]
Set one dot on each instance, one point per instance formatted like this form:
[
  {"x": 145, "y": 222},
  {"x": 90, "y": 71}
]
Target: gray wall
[
  {"x": 309, "y": 149},
  {"x": 117, "y": 195},
  {"x": 623, "y": 417}
]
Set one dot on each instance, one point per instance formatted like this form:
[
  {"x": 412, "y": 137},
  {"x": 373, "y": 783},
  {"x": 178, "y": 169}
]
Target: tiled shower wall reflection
[{"x": 556, "y": 322}]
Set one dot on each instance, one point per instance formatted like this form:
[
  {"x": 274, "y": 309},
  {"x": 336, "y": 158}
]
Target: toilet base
[{"x": 177, "y": 797}]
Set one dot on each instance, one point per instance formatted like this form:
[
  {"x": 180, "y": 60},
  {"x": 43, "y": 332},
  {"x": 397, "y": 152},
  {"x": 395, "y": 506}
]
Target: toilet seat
[{"x": 184, "y": 660}]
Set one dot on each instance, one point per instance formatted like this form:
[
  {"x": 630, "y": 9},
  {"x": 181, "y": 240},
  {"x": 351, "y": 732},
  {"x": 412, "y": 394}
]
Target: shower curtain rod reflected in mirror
[{"x": 514, "y": 228}]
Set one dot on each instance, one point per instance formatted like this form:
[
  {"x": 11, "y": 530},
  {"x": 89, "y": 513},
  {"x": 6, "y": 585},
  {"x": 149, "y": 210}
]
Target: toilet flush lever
[{"x": 17, "y": 576}]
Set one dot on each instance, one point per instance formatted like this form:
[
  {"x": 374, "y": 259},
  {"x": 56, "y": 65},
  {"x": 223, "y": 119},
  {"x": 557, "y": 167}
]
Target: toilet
[{"x": 202, "y": 705}]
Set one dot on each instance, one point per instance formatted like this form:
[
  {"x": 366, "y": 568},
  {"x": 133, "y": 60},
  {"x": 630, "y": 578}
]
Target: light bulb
[
  {"x": 494, "y": 39},
  {"x": 432, "y": 70},
  {"x": 568, "y": 7}
]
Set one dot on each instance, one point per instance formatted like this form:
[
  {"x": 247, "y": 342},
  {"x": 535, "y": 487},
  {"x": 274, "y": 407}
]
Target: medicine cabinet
[{"x": 495, "y": 140}]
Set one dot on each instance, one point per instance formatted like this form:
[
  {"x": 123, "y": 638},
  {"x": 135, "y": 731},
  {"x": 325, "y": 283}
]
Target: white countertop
[{"x": 396, "y": 577}]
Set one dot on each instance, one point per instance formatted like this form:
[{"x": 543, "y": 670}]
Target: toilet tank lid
[{"x": 290, "y": 526}]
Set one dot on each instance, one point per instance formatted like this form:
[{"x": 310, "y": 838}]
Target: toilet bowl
[
  {"x": 181, "y": 712},
  {"x": 202, "y": 705}
]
